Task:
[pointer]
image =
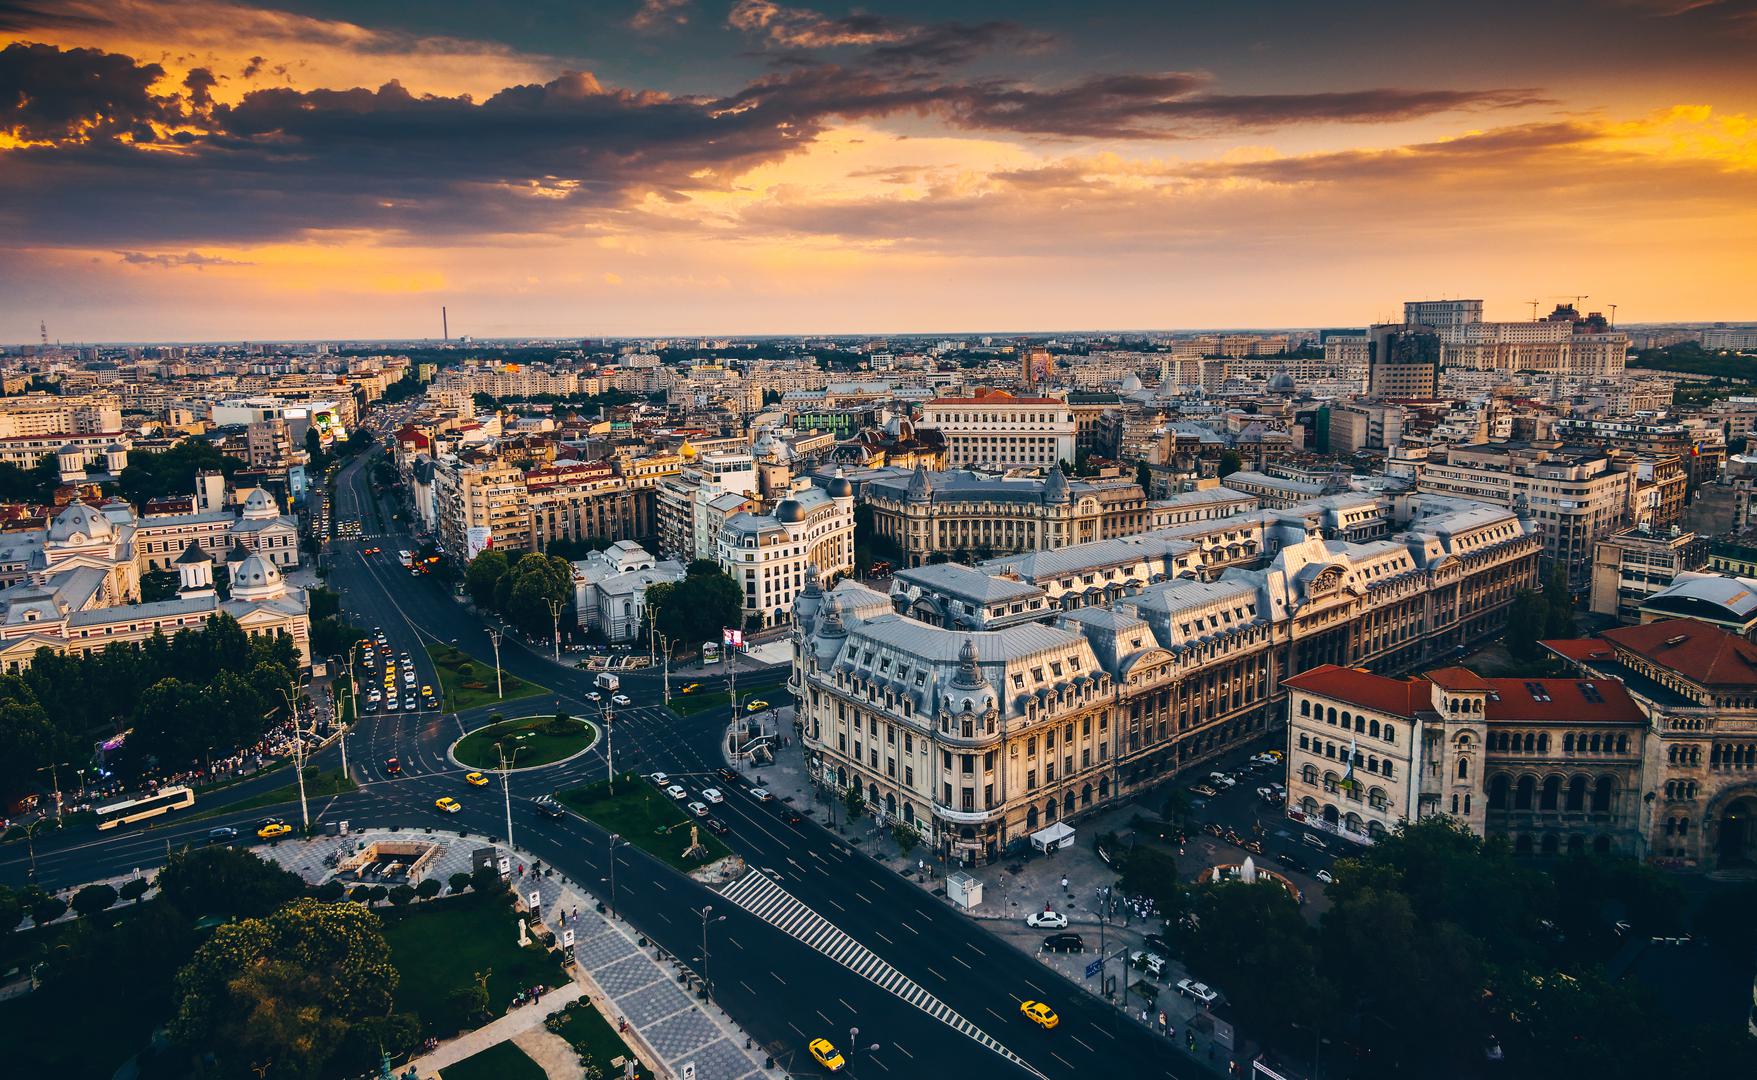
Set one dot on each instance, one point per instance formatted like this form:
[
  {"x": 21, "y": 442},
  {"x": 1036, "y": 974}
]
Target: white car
[
  {"x": 1221, "y": 779},
  {"x": 1047, "y": 920},
  {"x": 1326, "y": 877},
  {"x": 677, "y": 792},
  {"x": 760, "y": 794},
  {"x": 698, "y": 809},
  {"x": 660, "y": 778},
  {"x": 594, "y": 696},
  {"x": 713, "y": 795},
  {"x": 1202, "y": 992},
  {"x": 1150, "y": 962},
  {"x": 620, "y": 699}
]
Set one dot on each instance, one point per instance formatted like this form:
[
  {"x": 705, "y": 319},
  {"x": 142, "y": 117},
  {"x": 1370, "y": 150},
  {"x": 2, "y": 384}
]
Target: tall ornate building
[{"x": 987, "y": 727}]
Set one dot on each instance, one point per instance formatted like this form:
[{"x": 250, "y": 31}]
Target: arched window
[
  {"x": 1463, "y": 768},
  {"x": 1390, "y": 733},
  {"x": 1330, "y": 718},
  {"x": 1498, "y": 785},
  {"x": 1373, "y": 728},
  {"x": 1577, "y": 794},
  {"x": 1568, "y": 742},
  {"x": 1622, "y": 744},
  {"x": 1602, "y": 793},
  {"x": 1309, "y": 774},
  {"x": 1346, "y": 718},
  {"x": 1543, "y": 743},
  {"x": 1305, "y": 707},
  {"x": 1524, "y": 794},
  {"x": 1552, "y": 793}
]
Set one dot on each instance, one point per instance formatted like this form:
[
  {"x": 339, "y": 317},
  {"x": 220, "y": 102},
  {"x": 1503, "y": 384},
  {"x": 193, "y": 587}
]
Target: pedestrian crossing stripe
[{"x": 760, "y": 895}]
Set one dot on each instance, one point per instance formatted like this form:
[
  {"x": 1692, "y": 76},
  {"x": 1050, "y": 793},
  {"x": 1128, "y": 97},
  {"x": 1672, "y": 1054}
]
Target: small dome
[
  {"x": 789, "y": 512},
  {"x": 1131, "y": 383},
  {"x": 840, "y": 488},
  {"x": 686, "y": 451},
  {"x": 115, "y": 448},
  {"x": 260, "y": 504},
  {"x": 71, "y": 449}
]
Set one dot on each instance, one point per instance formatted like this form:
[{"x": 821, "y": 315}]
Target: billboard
[{"x": 479, "y": 539}]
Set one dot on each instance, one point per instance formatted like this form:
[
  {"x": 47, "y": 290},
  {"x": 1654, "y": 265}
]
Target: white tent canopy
[{"x": 1052, "y": 837}]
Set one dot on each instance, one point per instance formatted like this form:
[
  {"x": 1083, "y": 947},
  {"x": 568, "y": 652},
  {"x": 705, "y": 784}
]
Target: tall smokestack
[{"x": 444, "y": 326}]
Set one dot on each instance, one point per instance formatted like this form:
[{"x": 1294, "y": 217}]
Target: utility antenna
[{"x": 444, "y": 326}]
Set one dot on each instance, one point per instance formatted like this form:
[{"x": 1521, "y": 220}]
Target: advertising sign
[{"x": 479, "y": 539}]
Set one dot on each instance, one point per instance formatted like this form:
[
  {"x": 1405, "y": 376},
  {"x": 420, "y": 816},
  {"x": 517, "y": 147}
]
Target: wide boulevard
[{"x": 774, "y": 985}]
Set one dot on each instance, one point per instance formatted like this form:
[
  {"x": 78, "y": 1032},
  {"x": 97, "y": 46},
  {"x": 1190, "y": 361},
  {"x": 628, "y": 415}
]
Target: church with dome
[{"x": 74, "y": 586}]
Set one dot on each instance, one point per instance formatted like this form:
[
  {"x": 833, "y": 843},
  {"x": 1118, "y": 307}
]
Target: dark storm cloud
[
  {"x": 167, "y": 261},
  {"x": 565, "y": 155},
  {"x": 47, "y": 95},
  {"x": 16, "y": 16},
  {"x": 889, "y": 42},
  {"x": 1146, "y": 106}
]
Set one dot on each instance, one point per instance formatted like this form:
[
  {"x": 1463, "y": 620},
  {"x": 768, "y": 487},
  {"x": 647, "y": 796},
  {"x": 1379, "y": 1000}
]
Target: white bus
[{"x": 128, "y": 811}]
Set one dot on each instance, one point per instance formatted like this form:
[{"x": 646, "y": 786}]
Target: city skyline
[{"x": 225, "y": 171}]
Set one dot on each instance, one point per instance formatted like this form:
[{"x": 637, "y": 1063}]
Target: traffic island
[
  {"x": 647, "y": 818},
  {"x": 529, "y": 742},
  {"x": 468, "y": 683}
]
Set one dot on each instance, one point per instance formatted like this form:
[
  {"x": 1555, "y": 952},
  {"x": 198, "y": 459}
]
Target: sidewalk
[{"x": 667, "y": 1027}]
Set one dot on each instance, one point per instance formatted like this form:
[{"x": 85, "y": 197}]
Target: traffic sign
[{"x": 1092, "y": 967}]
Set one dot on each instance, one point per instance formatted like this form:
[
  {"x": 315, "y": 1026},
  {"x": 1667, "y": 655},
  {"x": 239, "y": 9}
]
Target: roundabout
[{"x": 531, "y": 742}]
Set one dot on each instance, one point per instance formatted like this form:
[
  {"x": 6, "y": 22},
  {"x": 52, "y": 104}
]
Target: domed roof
[
  {"x": 839, "y": 487},
  {"x": 1131, "y": 383},
  {"x": 70, "y": 449},
  {"x": 193, "y": 554},
  {"x": 115, "y": 448},
  {"x": 1055, "y": 489},
  {"x": 260, "y": 504},
  {"x": 80, "y": 520},
  {"x": 255, "y": 575},
  {"x": 1282, "y": 381},
  {"x": 789, "y": 512},
  {"x": 686, "y": 451}
]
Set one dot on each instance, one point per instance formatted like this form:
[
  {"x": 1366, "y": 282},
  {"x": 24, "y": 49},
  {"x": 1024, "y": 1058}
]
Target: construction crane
[
  {"x": 1534, "y": 304},
  {"x": 1613, "y": 308}
]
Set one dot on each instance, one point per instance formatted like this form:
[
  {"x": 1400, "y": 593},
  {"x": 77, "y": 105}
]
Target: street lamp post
[
  {"x": 615, "y": 838},
  {"x": 707, "y": 983},
  {"x": 54, "y": 770},
  {"x": 609, "y": 749},
  {"x": 298, "y": 751},
  {"x": 506, "y": 787},
  {"x": 555, "y": 607},
  {"x": 494, "y": 636}
]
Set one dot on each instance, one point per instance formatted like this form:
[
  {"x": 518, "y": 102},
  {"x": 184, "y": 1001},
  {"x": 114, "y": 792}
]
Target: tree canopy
[
  {"x": 222, "y": 880},
  {"x": 172, "y": 472},
  {"x": 697, "y": 608},
  {"x": 282, "y": 993}
]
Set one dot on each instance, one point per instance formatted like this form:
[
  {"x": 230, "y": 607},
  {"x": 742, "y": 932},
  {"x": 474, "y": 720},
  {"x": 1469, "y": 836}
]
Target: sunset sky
[{"x": 215, "y": 170}]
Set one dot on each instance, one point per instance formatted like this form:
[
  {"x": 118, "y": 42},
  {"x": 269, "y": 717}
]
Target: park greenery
[
  {"x": 646, "y": 817},
  {"x": 291, "y": 982},
  {"x": 1438, "y": 944},
  {"x": 35, "y": 485},
  {"x": 1537, "y": 616},
  {"x": 1691, "y": 358},
  {"x": 696, "y": 609},
  {"x": 521, "y": 591},
  {"x": 465, "y": 683},
  {"x": 203, "y": 691}
]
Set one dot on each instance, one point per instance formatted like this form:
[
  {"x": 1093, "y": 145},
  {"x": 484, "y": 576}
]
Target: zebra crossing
[{"x": 758, "y": 894}]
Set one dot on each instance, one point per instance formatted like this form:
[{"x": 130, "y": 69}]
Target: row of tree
[
  {"x": 205, "y": 690},
  {"x": 1439, "y": 945},
  {"x": 521, "y": 591}
]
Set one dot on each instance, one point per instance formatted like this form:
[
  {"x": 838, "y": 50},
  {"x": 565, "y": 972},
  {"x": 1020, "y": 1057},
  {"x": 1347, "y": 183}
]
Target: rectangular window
[
  {"x": 909, "y": 775},
  {"x": 1030, "y": 779}
]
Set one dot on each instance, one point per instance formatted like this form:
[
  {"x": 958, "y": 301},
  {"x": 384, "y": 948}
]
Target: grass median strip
[
  {"x": 467, "y": 682},
  {"x": 644, "y": 816},
  {"x": 318, "y": 785},
  {"x": 772, "y": 690},
  {"x": 529, "y": 740}
]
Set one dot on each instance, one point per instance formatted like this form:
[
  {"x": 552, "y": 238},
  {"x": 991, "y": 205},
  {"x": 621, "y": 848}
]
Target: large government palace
[{"x": 980, "y": 705}]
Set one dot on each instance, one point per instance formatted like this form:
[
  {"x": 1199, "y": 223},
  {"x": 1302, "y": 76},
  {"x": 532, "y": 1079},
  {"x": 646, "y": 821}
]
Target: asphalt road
[{"x": 777, "y": 988}]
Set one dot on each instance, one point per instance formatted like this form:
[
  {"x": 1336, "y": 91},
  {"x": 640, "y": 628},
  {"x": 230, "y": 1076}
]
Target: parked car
[
  {"x": 1158, "y": 944},
  {"x": 1064, "y": 942},
  {"x": 1203, "y": 790},
  {"x": 1150, "y": 962},
  {"x": 1047, "y": 920},
  {"x": 1220, "y": 779},
  {"x": 1326, "y": 877},
  {"x": 1202, "y": 992}
]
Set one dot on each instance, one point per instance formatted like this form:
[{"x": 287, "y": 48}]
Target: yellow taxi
[
  {"x": 826, "y": 1054},
  {"x": 1040, "y": 1014},
  {"x": 447, "y": 804},
  {"x": 691, "y": 688},
  {"x": 268, "y": 830},
  {"x": 475, "y": 779},
  {"x": 755, "y": 706}
]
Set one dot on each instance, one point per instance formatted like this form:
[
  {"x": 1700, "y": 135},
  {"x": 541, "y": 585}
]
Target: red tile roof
[
  {"x": 1704, "y": 654},
  {"x": 1457, "y": 678},
  {"x": 1398, "y": 697},
  {"x": 996, "y": 397},
  {"x": 1592, "y": 701},
  {"x": 1579, "y": 648}
]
